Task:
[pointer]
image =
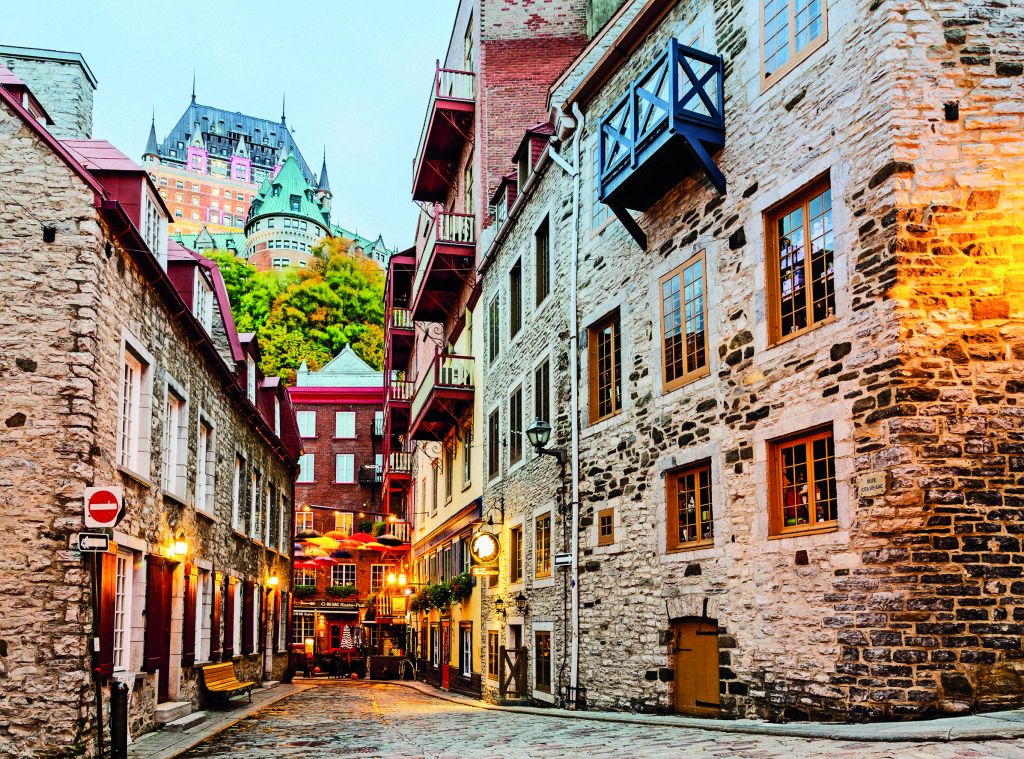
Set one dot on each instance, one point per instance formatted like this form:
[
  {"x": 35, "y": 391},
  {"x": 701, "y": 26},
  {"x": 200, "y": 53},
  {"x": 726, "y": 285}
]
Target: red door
[
  {"x": 446, "y": 653},
  {"x": 159, "y": 576}
]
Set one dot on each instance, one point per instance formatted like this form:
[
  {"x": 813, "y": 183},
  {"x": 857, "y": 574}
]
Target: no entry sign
[{"x": 104, "y": 507}]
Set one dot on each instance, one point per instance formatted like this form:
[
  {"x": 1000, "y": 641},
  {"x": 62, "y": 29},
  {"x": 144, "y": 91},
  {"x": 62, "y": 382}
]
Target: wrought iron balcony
[
  {"x": 378, "y": 424},
  {"x": 444, "y": 265},
  {"x": 371, "y": 474},
  {"x": 447, "y": 126},
  {"x": 442, "y": 398},
  {"x": 669, "y": 122}
]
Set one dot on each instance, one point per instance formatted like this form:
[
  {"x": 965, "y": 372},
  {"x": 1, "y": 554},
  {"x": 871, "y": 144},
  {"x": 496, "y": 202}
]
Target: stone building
[
  {"x": 500, "y": 59},
  {"x": 123, "y": 369},
  {"x": 340, "y": 415},
  {"x": 790, "y": 325},
  {"x": 61, "y": 80}
]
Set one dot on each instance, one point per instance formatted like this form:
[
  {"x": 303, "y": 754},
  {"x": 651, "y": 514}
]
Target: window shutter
[
  {"x": 188, "y": 631},
  {"x": 229, "y": 618},
  {"x": 215, "y": 621},
  {"x": 156, "y": 625},
  {"x": 277, "y": 622},
  {"x": 247, "y": 631},
  {"x": 262, "y": 639},
  {"x": 107, "y": 597}
]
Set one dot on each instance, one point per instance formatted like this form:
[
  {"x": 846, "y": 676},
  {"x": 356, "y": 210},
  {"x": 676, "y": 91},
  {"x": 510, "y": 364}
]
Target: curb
[{"x": 881, "y": 732}]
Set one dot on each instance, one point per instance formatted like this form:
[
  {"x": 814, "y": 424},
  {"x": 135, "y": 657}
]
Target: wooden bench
[{"x": 220, "y": 679}]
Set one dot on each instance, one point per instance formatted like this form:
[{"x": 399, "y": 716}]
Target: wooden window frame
[
  {"x": 493, "y": 445},
  {"x": 515, "y": 299},
  {"x": 542, "y": 571},
  {"x": 771, "y": 216},
  {"x": 516, "y": 428},
  {"x": 776, "y": 527},
  {"x": 493, "y": 654},
  {"x": 672, "y": 544},
  {"x": 493, "y": 329},
  {"x": 546, "y": 686},
  {"x": 606, "y": 540},
  {"x": 767, "y": 82},
  {"x": 593, "y": 371},
  {"x": 515, "y": 554},
  {"x": 542, "y": 270},
  {"x": 542, "y": 390},
  {"x": 689, "y": 375}
]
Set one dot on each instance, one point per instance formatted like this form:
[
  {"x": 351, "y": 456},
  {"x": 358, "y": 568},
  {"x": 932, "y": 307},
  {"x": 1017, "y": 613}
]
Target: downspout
[{"x": 574, "y": 405}]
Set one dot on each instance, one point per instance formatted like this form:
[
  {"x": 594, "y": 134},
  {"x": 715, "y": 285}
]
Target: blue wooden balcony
[{"x": 668, "y": 123}]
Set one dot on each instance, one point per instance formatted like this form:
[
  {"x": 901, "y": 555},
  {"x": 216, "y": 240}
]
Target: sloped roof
[
  {"x": 325, "y": 183},
  {"x": 274, "y": 197},
  {"x": 152, "y": 147},
  {"x": 219, "y": 240},
  {"x": 223, "y": 142},
  {"x": 344, "y": 370},
  {"x": 100, "y": 155}
]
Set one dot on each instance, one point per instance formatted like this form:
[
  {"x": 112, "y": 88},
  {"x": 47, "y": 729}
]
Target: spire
[
  {"x": 193, "y": 86},
  {"x": 324, "y": 183},
  {"x": 151, "y": 146},
  {"x": 282, "y": 108}
]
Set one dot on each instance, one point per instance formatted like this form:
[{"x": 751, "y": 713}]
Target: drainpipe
[{"x": 574, "y": 368}]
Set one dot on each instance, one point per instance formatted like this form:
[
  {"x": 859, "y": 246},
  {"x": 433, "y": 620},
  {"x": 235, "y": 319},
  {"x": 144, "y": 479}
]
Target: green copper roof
[
  {"x": 276, "y": 195},
  {"x": 206, "y": 240}
]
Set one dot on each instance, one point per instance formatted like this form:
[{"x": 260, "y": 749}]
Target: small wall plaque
[{"x": 871, "y": 484}]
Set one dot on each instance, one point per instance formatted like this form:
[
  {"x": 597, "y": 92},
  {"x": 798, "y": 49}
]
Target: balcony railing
[
  {"x": 456, "y": 229},
  {"x": 370, "y": 474},
  {"x": 400, "y": 530},
  {"x": 452, "y": 90},
  {"x": 400, "y": 318},
  {"x": 399, "y": 462},
  {"x": 670, "y": 117},
  {"x": 446, "y": 374},
  {"x": 378, "y": 424},
  {"x": 399, "y": 390}
]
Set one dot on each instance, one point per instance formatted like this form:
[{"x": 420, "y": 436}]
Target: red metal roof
[
  {"x": 100, "y": 155},
  {"x": 178, "y": 252},
  {"x": 9, "y": 79}
]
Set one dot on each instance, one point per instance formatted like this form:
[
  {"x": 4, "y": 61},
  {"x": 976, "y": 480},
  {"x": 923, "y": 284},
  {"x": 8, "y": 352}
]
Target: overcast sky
[{"x": 357, "y": 74}]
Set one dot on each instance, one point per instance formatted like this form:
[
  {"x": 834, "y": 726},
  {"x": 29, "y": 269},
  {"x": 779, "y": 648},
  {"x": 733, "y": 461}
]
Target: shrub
[
  {"x": 366, "y": 526},
  {"x": 462, "y": 587},
  {"x": 341, "y": 591},
  {"x": 378, "y": 528},
  {"x": 305, "y": 591}
]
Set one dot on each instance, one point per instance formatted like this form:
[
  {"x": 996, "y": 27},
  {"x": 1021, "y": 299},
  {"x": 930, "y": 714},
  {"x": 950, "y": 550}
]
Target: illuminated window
[
  {"x": 542, "y": 545},
  {"x": 802, "y": 483},
  {"x": 690, "y": 519}
]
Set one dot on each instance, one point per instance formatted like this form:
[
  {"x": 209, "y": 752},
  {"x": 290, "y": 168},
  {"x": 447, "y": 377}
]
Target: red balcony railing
[
  {"x": 444, "y": 264},
  {"x": 446, "y": 126},
  {"x": 442, "y": 397}
]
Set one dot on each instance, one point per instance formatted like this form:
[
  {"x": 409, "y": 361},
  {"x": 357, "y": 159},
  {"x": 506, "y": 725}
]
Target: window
[
  {"x": 174, "y": 451},
  {"x": 467, "y": 455},
  {"x": 542, "y": 660},
  {"x": 542, "y": 391},
  {"x": 467, "y": 186},
  {"x": 306, "y": 464},
  {"x": 790, "y": 31},
  {"x": 203, "y": 596},
  {"x": 307, "y": 423},
  {"x": 180, "y": 185},
  {"x": 134, "y": 431},
  {"x": 277, "y": 416},
  {"x": 449, "y": 470},
  {"x": 515, "y": 299},
  {"x": 206, "y": 463},
  {"x": 683, "y": 319},
  {"x": 345, "y": 424},
  {"x": 690, "y": 519},
  {"x": 303, "y": 521},
  {"x": 605, "y": 527},
  {"x": 302, "y": 627},
  {"x": 467, "y": 45},
  {"x": 515, "y": 554},
  {"x": 378, "y": 575},
  {"x": 435, "y": 647},
  {"x": 250, "y": 379},
  {"x": 236, "y": 492},
  {"x": 237, "y": 619},
  {"x": 493, "y": 330},
  {"x": 599, "y": 213},
  {"x": 465, "y": 650},
  {"x": 202, "y": 302},
  {"x": 801, "y": 289},
  {"x": 542, "y": 545},
  {"x": 605, "y": 351},
  {"x": 515, "y": 426},
  {"x": 295, "y": 201},
  {"x": 433, "y": 489},
  {"x": 305, "y": 578},
  {"x": 802, "y": 483},
  {"x": 123, "y": 610},
  {"x": 343, "y": 574},
  {"x": 493, "y": 652},
  {"x": 493, "y": 445},
  {"x": 255, "y": 510},
  {"x": 344, "y": 468},
  {"x": 343, "y": 522},
  {"x": 541, "y": 246}
]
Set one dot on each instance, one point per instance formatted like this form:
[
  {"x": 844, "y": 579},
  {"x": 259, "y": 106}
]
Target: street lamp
[{"x": 539, "y": 433}]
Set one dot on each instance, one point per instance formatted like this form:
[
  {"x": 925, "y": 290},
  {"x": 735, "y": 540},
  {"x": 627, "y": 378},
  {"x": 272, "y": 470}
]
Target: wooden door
[
  {"x": 446, "y": 645},
  {"x": 696, "y": 667},
  {"x": 159, "y": 579}
]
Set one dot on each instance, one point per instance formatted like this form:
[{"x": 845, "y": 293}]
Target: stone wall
[
  {"x": 61, "y": 358},
  {"x": 907, "y": 608},
  {"x": 64, "y": 89}
]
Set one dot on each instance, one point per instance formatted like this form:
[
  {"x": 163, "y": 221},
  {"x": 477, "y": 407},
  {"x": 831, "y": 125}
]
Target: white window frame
[
  {"x": 250, "y": 379},
  {"x": 282, "y": 535},
  {"x": 135, "y": 403},
  {"x": 303, "y": 577},
  {"x": 206, "y": 465},
  {"x": 307, "y": 467},
  {"x": 204, "y": 596},
  {"x": 236, "y": 631},
  {"x": 174, "y": 452},
  {"x": 302, "y": 626},
  {"x": 124, "y": 589},
  {"x": 344, "y": 469},
  {"x": 345, "y": 425},
  {"x": 255, "y": 510},
  {"x": 202, "y": 300},
  {"x": 344, "y": 521},
  {"x": 466, "y": 648},
  {"x": 277, "y": 416},
  {"x": 282, "y": 624},
  {"x": 236, "y": 492},
  {"x": 307, "y": 423},
  {"x": 350, "y": 569},
  {"x": 382, "y": 570},
  {"x": 306, "y": 518},
  {"x": 257, "y": 603}
]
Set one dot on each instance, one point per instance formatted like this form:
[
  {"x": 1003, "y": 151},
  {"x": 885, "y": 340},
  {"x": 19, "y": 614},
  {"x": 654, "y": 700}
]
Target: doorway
[
  {"x": 695, "y": 655},
  {"x": 446, "y": 656},
  {"x": 159, "y": 588}
]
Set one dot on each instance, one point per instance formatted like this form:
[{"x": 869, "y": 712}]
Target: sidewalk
[
  {"x": 162, "y": 744},
  {"x": 977, "y": 727}
]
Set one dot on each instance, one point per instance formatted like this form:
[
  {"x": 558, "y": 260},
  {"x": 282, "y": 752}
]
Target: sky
[{"x": 356, "y": 73}]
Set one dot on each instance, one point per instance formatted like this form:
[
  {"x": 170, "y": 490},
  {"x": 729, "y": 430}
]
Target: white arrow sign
[{"x": 92, "y": 542}]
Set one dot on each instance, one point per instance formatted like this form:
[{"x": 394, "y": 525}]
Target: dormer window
[
  {"x": 296, "y": 203},
  {"x": 250, "y": 378},
  {"x": 202, "y": 301},
  {"x": 501, "y": 208}
]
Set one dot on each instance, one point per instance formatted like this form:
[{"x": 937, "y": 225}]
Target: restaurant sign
[{"x": 340, "y": 605}]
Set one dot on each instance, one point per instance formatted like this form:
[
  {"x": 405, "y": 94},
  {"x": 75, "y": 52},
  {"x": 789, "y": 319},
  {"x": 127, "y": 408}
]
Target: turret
[
  {"x": 152, "y": 152},
  {"x": 323, "y": 190}
]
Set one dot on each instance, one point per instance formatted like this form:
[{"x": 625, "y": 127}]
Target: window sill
[
  {"x": 687, "y": 547},
  {"x": 239, "y": 534},
  {"x": 338, "y": 482},
  {"x": 547, "y": 581},
  {"x": 776, "y": 343},
  {"x": 305, "y": 482},
  {"x": 467, "y": 485},
  {"x": 140, "y": 479},
  {"x": 353, "y": 437},
  {"x": 173, "y": 497},
  {"x": 540, "y": 695},
  {"x": 797, "y": 532}
]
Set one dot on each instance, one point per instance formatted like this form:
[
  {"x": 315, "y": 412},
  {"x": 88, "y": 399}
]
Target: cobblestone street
[{"x": 362, "y": 719}]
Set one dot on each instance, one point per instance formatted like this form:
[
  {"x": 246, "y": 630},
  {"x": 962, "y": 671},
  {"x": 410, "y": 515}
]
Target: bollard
[{"x": 118, "y": 720}]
